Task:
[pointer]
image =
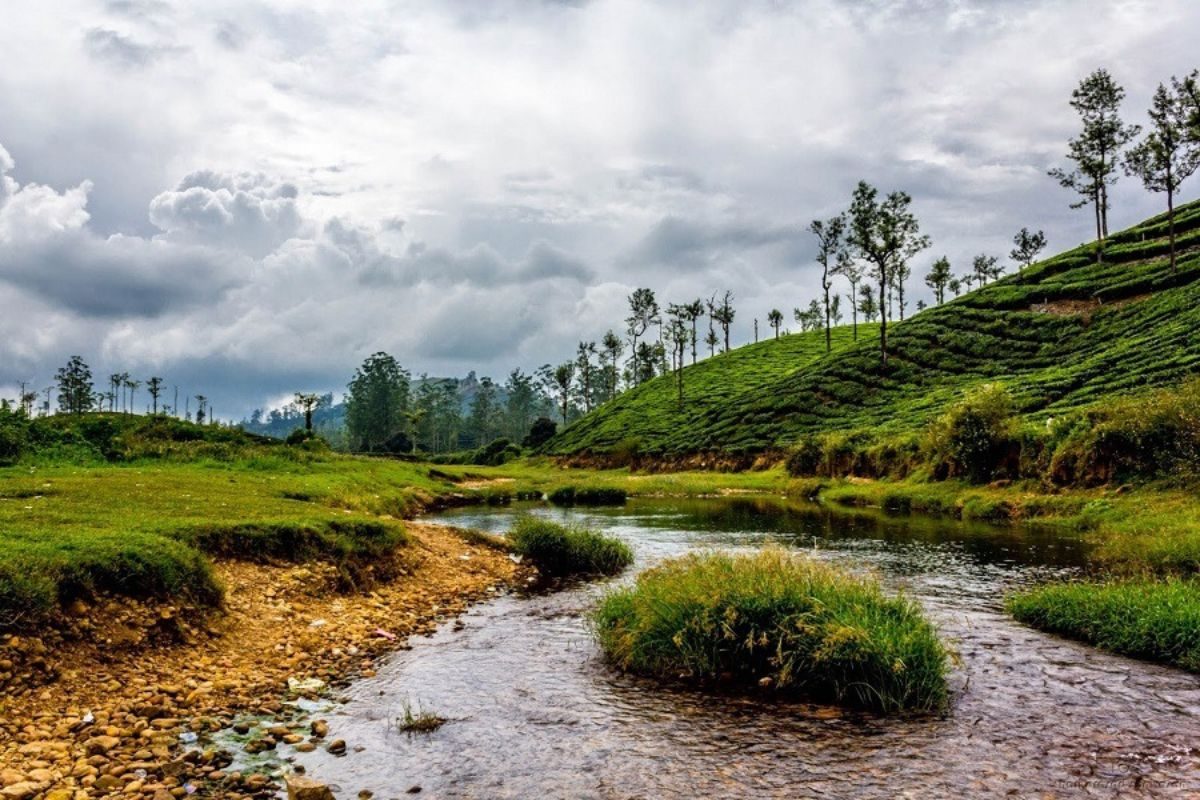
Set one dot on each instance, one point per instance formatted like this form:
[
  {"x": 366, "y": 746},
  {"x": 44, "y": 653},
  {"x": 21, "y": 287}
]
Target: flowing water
[{"x": 534, "y": 712}]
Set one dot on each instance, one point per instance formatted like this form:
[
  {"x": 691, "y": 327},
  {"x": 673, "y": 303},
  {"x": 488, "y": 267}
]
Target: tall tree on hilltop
[
  {"x": 695, "y": 310},
  {"x": 775, "y": 319},
  {"x": 1026, "y": 248},
  {"x": 954, "y": 285},
  {"x": 900, "y": 275},
  {"x": 938, "y": 277},
  {"x": 829, "y": 235},
  {"x": 1096, "y": 150},
  {"x": 133, "y": 387},
  {"x": 201, "y": 409},
  {"x": 612, "y": 347},
  {"x": 723, "y": 313},
  {"x": 643, "y": 312},
  {"x": 1169, "y": 154},
  {"x": 852, "y": 271},
  {"x": 678, "y": 334},
  {"x": 75, "y": 389},
  {"x": 883, "y": 234},
  {"x": 115, "y": 381},
  {"x": 377, "y": 401},
  {"x": 985, "y": 268}
]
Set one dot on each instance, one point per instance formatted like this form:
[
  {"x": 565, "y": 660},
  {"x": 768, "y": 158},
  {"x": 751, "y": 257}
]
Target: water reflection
[{"x": 535, "y": 713}]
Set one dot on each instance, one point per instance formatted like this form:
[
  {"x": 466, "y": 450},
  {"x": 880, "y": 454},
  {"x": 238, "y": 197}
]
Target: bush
[
  {"x": 588, "y": 496},
  {"x": 1156, "y": 620},
  {"x": 560, "y": 550},
  {"x": 975, "y": 437},
  {"x": 542, "y": 431},
  {"x": 774, "y": 616},
  {"x": 496, "y": 453}
]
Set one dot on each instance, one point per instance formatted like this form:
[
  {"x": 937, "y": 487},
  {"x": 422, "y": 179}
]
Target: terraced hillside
[{"x": 1066, "y": 334}]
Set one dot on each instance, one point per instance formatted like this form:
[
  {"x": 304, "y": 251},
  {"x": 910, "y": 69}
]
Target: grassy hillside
[{"x": 1066, "y": 334}]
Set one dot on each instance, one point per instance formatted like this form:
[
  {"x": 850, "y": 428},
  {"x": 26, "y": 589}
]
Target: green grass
[
  {"x": 1157, "y": 620},
  {"x": 562, "y": 550},
  {"x": 803, "y": 626},
  {"x": 768, "y": 396},
  {"x": 148, "y": 527}
]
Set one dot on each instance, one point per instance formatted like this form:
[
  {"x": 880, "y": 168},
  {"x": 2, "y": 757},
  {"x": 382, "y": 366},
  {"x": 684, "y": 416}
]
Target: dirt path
[{"x": 105, "y": 708}]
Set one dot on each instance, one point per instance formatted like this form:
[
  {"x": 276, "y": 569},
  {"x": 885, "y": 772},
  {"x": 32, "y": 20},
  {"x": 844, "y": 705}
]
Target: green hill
[{"x": 1066, "y": 334}]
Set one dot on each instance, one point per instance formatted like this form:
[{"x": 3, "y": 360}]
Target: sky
[{"x": 249, "y": 197}]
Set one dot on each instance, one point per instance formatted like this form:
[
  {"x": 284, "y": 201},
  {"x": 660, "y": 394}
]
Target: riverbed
[{"x": 533, "y": 711}]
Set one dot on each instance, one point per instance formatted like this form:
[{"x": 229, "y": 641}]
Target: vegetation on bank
[
  {"x": 1156, "y": 620},
  {"x": 563, "y": 550},
  {"x": 776, "y": 619}
]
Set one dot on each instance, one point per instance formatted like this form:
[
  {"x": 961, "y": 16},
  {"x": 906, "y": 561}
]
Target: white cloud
[{"x": 480, "y": 188}]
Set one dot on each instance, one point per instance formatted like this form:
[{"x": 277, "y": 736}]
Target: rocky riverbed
[{"x": 119, "y": 698}]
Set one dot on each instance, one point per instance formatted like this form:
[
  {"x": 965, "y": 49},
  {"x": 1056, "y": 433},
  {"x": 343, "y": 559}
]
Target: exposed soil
[
  {"x": 1064, "y": 308},
  {"x": 103, "y": 705}
]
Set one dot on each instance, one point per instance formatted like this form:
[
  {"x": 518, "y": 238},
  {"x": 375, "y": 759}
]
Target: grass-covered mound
[
  {"x": 1065, "y": 335},
  {"x": 807, "y": 627},
  {"x": 1157, "y": 620},
  {"x": 562, "y": 550}
]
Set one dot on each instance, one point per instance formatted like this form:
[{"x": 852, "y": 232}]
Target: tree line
[{"x": 74, "y": 391}]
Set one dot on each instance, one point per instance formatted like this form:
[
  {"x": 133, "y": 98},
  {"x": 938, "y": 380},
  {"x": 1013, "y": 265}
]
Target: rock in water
[{"x": 301, "y": 788}]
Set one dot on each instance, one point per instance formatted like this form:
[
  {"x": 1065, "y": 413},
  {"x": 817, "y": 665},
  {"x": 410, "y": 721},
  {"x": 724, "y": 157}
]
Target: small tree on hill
[
  {"x": 984, "y": 267},
  {"x": 564, "y": 382},
  {"x": 885, "y": 235},
  {"x": 954, "y": 285},
  {"x": 1096, "y": 151},
  {"x": 677, "y": 335},
  {"x": 866, "y": 303},
  {"x": 643, "y": 312},
  {"x": 306, "y": 402},
  {"x": 852, "y": 271},
  {"x": 75, "y": 389},
  {"x": 775, "y": 319},
  {"x": 154, "y": 385},
  {"x": 723, "y": 313},
  {"x": 583, "y": 364},
  {"x": 938, "y": 277},
  {"x": 694, "y": 311},
  {"x": 612, "y": 347},
  {"x": 1027, "y": 247},
  {"x": 829, "y": 235},
  {"x": 1169, "y": 154}
]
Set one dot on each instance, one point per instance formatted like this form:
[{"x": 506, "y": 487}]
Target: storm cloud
[{"x": 250, "y": 197}]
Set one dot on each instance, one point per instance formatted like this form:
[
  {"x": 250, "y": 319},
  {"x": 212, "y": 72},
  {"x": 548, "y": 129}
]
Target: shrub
[
  {"x": 975, "y": 436},
  {"x": 542, "y": 431},
  {"x": 560, "y": 550},
  {"x": 776, "y": 617},
  {"x": 1157, "y": 620},
  {"x": 496, "y": 453}
]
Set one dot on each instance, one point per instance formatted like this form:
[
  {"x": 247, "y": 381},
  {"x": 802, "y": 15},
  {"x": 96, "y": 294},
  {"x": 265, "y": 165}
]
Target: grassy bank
[
  {"x": 148, "y": 527},
  {"x": 780, "y": 620},
  {"x": 1152, "y": 619}
]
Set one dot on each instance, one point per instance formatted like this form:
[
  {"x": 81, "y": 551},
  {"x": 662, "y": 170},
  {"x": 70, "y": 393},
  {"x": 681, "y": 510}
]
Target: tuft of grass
[
  {"x": 561, "y": 550},
  {"x": 1158, "y": 620},
  {"x": 778, "y": 618},
  {"x": 419, "y": 720}
]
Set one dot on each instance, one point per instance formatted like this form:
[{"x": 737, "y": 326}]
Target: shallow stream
[{"x": 534, "y": 712}]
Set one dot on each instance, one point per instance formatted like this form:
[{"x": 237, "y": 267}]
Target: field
[{"x": 1067, "y": 334}]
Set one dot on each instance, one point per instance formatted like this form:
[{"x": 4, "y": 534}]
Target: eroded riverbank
[{"x": 114, "y": 709}]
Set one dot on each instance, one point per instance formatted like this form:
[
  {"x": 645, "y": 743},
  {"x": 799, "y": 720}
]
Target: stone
[
  {"x": 300, "y": 787},
  {"x": 98, "y": 745},
  {"x": 19, "y": 791}
]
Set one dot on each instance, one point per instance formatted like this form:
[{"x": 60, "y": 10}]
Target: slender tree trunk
[
  {"x": 694, "y": 340},
  {"x": 828, "y": 333},
  {"x": 1171, "y": 221},
  {"x": 1099, "y": 230},
  {"x": 854, "y": 308},
  {"x": 883, "y": 314}
]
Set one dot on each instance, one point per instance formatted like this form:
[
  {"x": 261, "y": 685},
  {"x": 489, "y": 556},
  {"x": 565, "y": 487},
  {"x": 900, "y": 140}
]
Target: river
[{"x": 534, "y": 712}]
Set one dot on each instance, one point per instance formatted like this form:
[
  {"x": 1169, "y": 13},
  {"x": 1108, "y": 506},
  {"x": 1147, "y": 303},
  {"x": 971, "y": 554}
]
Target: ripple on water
[{"x": 535, "y": 713}]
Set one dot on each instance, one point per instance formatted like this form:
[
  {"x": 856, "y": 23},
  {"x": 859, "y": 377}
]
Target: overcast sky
[{"x": 250, "y": 197}]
